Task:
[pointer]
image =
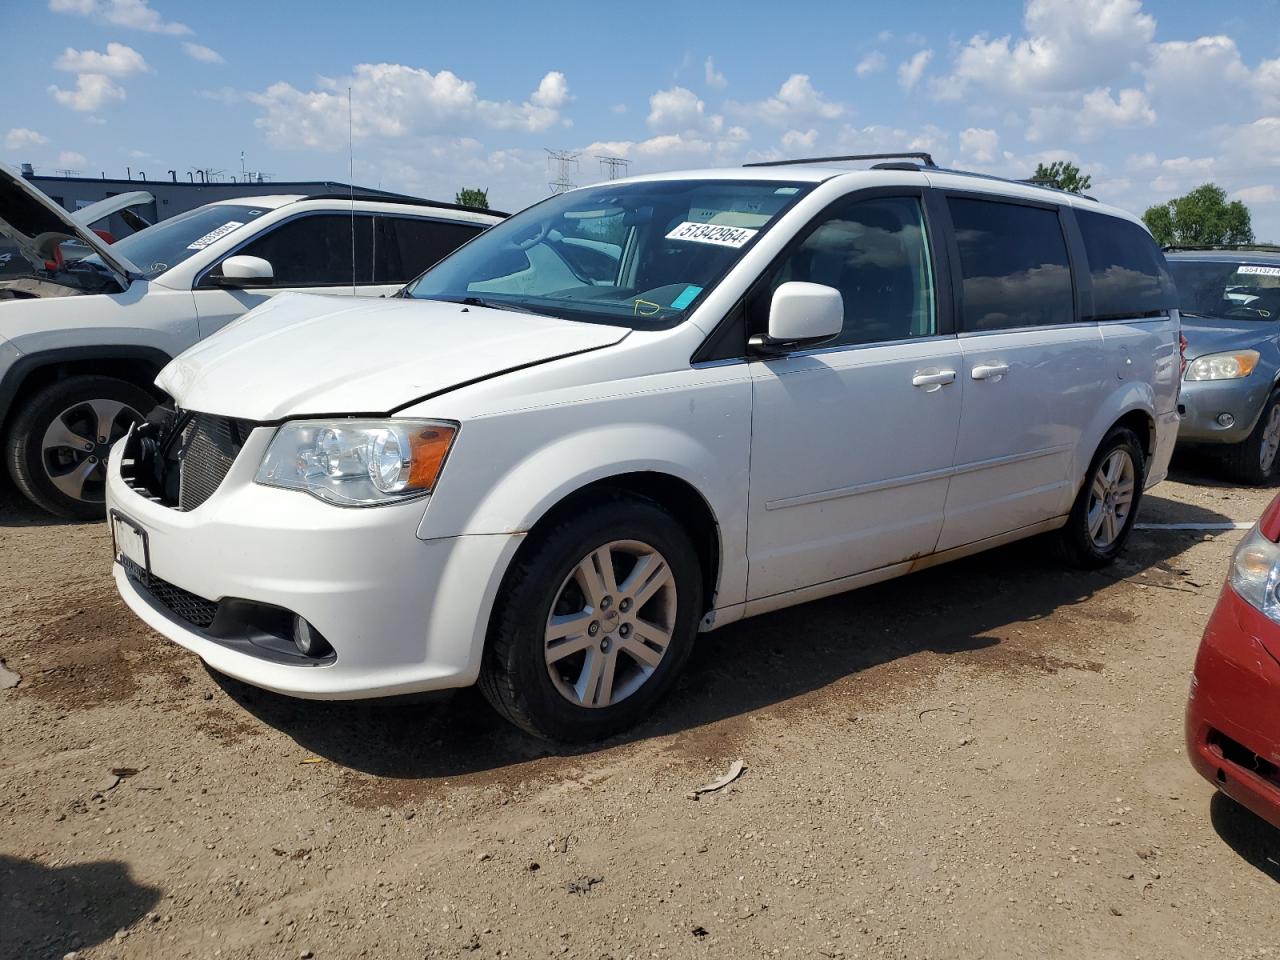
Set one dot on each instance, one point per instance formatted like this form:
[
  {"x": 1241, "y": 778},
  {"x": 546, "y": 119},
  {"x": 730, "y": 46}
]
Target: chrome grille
[{"x": 209, "y": 447}]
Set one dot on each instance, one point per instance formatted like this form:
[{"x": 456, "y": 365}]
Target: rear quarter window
[
  {"x": 1014, "y": 265},
  {"x": 1129, "y": 275}
]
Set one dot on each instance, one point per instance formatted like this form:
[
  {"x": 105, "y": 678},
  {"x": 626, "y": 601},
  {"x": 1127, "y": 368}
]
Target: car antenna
[{"x": 351, "y": 190}]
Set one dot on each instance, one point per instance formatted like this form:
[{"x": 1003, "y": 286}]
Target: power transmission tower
[
  {"x": 613, "y": 167},
  {"x": 559, "y": 162}
]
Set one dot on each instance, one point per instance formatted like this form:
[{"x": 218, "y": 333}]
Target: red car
[{"x": 1233, "y": 712}]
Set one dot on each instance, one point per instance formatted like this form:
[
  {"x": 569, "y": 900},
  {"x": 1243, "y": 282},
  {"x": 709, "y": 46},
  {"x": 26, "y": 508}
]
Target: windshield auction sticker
[
  {"x": 1259, "y": 271},
  {"x": 215, "y": 234},
  {"x": 710, "y": 233}
]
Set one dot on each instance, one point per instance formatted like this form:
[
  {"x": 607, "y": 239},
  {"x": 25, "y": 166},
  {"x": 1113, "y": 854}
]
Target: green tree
[
  {"x": 1062, "y": 174},
  {"x": 1203, "y": 218},
  {"x": 473, "y": 197}
]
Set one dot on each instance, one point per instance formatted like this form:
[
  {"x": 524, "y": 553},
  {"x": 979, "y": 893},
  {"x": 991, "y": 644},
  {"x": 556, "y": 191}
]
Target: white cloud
[
  {"x": 118, "y": 61},
  {"x": 669, "y": 151},
  {"x": 1067, "y": 46},
  {"x": 70, "y": 160},
  {"x": 910, "y": 71},
  {"x": 92, "y": 90},
  {"x": 198, "y": 51},
  {"x": 1196, "y": 74},
  {"x": 618, "y": 108},
  {"x": 979, "y": 145},
  {"x": 134, "y": 14},
  {"x": 1265, "y": 193},
  {"x": 392, "y": 101},
  {"x": 795, "y": 102},
  {"x": 1098, "y": 112},
  {"x": 873, "y": 62},
  {"x": 20, "y": 138},
  {"x": 714, "y": 78},
  {"x": 796, "y": 140},
  {"x": 680, "y": 109}
]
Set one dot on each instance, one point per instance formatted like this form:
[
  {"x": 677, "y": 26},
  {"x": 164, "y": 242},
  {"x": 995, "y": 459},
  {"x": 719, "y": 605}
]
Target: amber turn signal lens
[{"x": 428, "y": 447}]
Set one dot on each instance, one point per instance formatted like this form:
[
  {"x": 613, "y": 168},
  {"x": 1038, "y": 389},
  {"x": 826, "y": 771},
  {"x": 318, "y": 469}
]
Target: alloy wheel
[
  {"x": 75, "y": 446},
  {"x": 1111, "y": 498},
  {"x": 611, "y": 623}
]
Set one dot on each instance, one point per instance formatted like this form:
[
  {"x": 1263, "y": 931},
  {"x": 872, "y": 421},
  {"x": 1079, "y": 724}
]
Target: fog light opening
[
  {"x": 1226, "y": 420},
  {"x": 1222, "y": 775},
  {"x": 309, "y": 641}
]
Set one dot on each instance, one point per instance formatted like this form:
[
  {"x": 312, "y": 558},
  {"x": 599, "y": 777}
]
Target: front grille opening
[
  {"x": 184, "y": 605},
  {"x": 1238, "y": 755},
  {"x": 260, "y": 630},
  {"x": 180, "y": 459}
]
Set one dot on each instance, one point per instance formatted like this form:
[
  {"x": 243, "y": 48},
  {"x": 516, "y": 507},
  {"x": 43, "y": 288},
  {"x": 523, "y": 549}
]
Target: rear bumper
[
  {"x": 1203, "y": 401},
  {"x": 1233, "y": 712}
]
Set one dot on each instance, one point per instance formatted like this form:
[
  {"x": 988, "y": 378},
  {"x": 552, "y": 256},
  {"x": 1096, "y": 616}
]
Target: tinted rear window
[
  {"x": 408, "y": 245},
  {"x": 1013, "y": 259},
  {"x": 1130, "y": 278}
]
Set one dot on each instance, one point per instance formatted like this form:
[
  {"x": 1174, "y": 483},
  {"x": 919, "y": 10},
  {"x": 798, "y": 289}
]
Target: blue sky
[{"x": 1150, "y": 98}]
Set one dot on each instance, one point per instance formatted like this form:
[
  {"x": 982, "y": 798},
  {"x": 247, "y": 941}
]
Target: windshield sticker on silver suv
[
  {"x": 1259, "y": 271},
  {"x": 217, "y": 233},
  {"x": 710, "y": 233}
]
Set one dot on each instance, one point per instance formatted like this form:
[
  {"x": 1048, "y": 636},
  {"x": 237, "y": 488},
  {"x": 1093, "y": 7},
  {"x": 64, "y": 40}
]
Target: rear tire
[
  {"x": 594, "y": 621},
  {"x": 56, "y": 448},
  {"x": 1107, "y": 504},
  {"x": 1254, "y": 460}
]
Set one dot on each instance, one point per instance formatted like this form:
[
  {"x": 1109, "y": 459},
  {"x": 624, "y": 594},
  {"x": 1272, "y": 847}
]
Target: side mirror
[
  {"x": 243, "y": 271},
  {"x": 801, "y": 315}
]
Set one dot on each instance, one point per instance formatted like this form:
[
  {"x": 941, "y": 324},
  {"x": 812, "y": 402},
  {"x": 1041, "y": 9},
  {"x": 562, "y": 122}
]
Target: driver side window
[{"x": 876, "y": 254}]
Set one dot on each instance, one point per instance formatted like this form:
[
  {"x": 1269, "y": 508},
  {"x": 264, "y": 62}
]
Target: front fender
[{"x": 506, "y": 472}]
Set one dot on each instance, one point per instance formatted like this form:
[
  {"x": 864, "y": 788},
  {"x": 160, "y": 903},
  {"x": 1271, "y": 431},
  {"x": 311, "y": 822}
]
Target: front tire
[
  {"x": 1104, "y": 511},
  {"x": 57, "y": 447},
  {"x": 594, "y": 621},
  {"x": 1254, "y": 460}
]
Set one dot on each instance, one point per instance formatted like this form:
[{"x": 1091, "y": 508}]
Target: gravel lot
[{"x": 982, "y": 760}]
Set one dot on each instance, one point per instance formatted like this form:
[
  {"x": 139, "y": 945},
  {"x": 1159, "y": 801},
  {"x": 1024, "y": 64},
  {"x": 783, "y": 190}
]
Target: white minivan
[{"x": 643, "y": 409}]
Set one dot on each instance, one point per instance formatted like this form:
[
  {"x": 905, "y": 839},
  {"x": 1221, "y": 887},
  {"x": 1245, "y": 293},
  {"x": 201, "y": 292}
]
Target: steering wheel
[{"x": 544, "y": 228}]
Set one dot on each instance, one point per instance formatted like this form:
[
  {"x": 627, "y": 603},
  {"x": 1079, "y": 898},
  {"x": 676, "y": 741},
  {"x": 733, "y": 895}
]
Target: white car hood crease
[{"x": 303, "y": 355}]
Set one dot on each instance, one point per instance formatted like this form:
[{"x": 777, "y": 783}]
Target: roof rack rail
[
  {"x": 924, "y": 158},
  {"x": 396, "y": 198},
  {"x": 1265, "y": 247}
]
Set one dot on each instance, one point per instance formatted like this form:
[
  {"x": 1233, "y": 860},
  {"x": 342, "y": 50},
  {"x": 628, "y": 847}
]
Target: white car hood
[
  {"x": 303, "y": 355},
  {"x": 36, "y": 225}
]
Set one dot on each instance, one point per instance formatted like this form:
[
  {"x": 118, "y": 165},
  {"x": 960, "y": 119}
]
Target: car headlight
[
  {"x": 1255, "y": 573},
  {"x": 1223, "y": 366},
  {"x": 358, "y": 463}
]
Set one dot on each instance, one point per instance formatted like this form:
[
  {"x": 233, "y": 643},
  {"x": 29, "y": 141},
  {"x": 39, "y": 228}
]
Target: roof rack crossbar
[{"x": 924, "y": 158}]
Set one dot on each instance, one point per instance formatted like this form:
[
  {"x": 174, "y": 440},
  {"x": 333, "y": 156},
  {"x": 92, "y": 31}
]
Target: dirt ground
[{"x": 982, "y": 760}]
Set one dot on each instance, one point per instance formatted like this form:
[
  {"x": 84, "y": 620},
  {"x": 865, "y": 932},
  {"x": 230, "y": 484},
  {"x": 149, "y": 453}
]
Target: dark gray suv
[{"x": 1230, "y": 401}]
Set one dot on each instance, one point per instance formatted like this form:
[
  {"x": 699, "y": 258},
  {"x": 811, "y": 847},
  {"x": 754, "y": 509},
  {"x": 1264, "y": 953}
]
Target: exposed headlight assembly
[
  {"x": 1255, "y": 573},
  {"x": 358, "y": 463},
  {"x": 1223, "y": 366}
]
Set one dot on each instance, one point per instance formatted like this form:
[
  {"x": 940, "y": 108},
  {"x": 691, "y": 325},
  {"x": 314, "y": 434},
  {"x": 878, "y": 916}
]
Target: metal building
[{"x": 174, "y": 196}]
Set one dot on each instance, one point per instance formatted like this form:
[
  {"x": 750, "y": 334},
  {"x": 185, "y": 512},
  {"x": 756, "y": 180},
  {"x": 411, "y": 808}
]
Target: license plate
[{"x": 129, "y": 542}]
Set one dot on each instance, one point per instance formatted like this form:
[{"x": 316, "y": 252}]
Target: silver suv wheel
[
  {"x": 611, "y": 623},
  {"x": 77, "y": 441},
  {"x": 1111, "y": 497}
]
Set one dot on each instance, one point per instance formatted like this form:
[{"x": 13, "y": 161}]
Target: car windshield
[
  {"x": 634, "y": 254},
  {"x": 1227, "y": 288},
  {"x": 166, "y": 244}
]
